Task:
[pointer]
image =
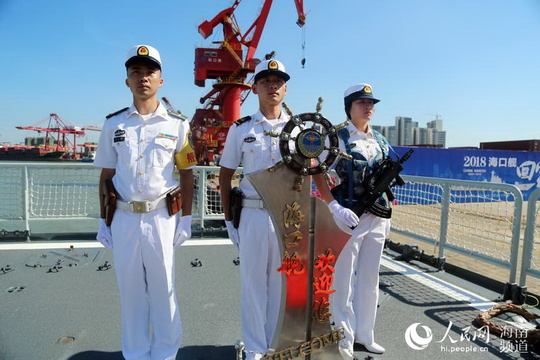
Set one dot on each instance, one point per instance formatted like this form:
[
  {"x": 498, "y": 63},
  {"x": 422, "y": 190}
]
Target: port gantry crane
[
  {"x": 58, "y": 130},
  {"x": 227, "y": 65}
]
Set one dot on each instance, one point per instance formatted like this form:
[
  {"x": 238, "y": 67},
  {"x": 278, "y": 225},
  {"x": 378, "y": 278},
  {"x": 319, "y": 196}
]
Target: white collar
[
  {"x": 160, "y": 111},
  {"x": 259, "y": 118},
  {"x": 354, "y": 130}
]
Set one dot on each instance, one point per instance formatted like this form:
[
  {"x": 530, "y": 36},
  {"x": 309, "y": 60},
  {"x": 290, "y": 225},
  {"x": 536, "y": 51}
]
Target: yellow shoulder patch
[{"x": 185, "y": 158}]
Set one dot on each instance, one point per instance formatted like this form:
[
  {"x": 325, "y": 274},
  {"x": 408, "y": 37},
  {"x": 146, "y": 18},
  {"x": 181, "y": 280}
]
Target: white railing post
[
  {"x": 202, "y": 196},
  {"x": 445, "y": 211},
  {"x": 528, "y": 238},
  {"x": 26, "y": 192}
]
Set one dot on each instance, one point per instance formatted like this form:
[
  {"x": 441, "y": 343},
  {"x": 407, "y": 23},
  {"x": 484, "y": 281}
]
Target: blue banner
[{"x": 519, "y": 168}]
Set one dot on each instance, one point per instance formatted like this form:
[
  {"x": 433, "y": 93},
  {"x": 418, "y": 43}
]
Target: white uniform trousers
[
  {"x": 144, "y": 264},
  {"x": 261, "y": 283},
  {"x": 356, "y": 281}
]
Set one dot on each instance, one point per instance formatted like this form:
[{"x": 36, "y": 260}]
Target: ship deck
[{"x": 73, "y": 312}]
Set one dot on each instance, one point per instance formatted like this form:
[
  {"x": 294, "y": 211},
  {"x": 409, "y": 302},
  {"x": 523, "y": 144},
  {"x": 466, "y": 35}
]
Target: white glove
[
  {"x": 345, "y": 216},
  {"x": 233, "y": 234},
  {"x": 104, "y": 235},
  {"x": 183, "y": 231}
]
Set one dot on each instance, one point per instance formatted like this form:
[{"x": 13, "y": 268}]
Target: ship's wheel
[{"x": 314, "y": 137}]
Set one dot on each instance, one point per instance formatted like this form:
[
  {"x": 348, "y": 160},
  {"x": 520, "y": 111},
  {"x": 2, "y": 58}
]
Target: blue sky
[{"x": 475, "y": 63}]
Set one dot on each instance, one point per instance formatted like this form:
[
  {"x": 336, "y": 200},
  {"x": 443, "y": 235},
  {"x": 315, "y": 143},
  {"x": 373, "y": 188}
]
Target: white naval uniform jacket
[
  {"x": 248, "y": 145},
  {"x": 364, "y": 143},
  {"x": 142, "y": 152}
]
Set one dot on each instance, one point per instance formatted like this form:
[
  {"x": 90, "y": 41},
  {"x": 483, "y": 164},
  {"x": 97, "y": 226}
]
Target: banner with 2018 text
[{"x": 519, "y": 168}]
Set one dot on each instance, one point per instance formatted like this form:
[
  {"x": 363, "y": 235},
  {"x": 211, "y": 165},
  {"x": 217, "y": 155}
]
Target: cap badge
[
  {"x": 367, "y": 89},
  {"x": 273, "y": 65},
  {"x": 142, "y": 51}
]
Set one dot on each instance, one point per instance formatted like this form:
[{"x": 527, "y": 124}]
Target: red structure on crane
[
  {"x": 227, "y": 65},
  {"x": 57, "y": 131}
]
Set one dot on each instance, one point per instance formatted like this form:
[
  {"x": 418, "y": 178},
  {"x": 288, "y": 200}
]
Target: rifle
[{"x": 380, "y": 181}]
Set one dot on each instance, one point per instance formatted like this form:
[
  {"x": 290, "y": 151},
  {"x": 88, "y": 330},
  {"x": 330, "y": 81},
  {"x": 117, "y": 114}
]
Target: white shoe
[{"x": 373, "y": 348}]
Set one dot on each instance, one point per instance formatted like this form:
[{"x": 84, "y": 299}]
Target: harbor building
[{"x": 406, "y": 132}]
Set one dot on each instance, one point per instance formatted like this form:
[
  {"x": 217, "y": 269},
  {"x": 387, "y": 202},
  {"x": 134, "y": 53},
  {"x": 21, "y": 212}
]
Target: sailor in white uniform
[
  {"x": 138, "y": 149},
  {"x": 255, "y": 237},
  {"x": 356, "y": 277}
]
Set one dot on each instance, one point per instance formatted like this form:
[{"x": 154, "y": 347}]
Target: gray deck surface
[{"x": 81, "y": 303}]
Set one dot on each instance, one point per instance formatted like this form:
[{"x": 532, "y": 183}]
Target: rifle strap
[
  {"x": 383, "y": 143},
  {"x": 380, "y": 210}
]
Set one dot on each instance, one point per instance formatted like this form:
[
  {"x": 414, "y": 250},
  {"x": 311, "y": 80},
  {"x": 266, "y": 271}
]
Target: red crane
[
  {"x": 56, "y": 135},
  {"x": 227, "y": 65}
]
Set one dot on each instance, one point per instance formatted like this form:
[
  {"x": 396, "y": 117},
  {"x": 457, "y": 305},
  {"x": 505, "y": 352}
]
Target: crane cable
[{"x": 303, "y": 62}]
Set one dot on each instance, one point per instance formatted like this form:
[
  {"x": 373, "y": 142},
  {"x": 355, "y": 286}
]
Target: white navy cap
[
  {"x": 143, "y": 53},
  {"x": 359, "y": 91},
  {"x": 355, "y": 92},
  {"x": 269, "y": 67}
]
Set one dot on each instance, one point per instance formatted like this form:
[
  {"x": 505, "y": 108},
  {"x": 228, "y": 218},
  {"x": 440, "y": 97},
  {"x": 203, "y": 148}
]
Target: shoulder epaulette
[
  {"x": 242, "y": 120},
  {"x": 116, "y": 113},
  {"x": 176, "y": 115},
  {"x": 342, "y": 125}
]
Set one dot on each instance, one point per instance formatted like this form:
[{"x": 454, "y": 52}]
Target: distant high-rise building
[
  {"x": 389, "y": 132},
  {"x": 404, "y": 127},
  {"x": 440, "y": 138},
  {"x": 421, "y": 136},
  {"x": 435, "y": 124},
  {"x": 407, "y": 133}
]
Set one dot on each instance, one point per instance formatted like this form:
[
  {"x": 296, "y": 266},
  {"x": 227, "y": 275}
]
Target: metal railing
[
  {"x": 56, "y": 191},
  {"x": 207, "y": 199},
  {"x": 40, "y": 191},
  {"x": 530, "y": 265},
  {"x": 477, "y": 220}
]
